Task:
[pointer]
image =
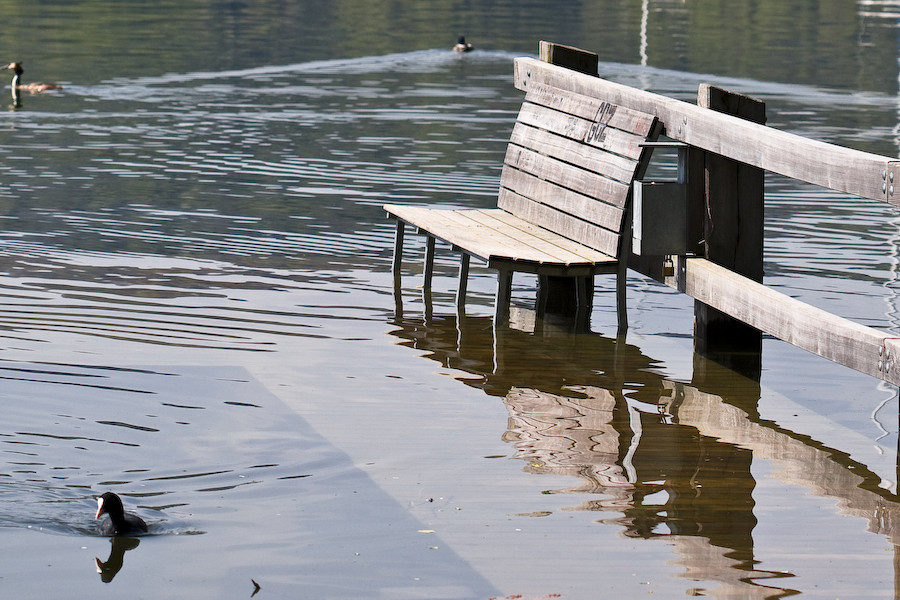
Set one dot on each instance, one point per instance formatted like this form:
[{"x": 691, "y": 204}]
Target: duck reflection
[
  {"x": 659, "y": 458},
  {"x": 113, "y": 564}
]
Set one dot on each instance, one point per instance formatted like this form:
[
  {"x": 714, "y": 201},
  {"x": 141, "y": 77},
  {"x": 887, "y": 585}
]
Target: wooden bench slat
[
  {"x": 525, "y": 170},
  {"x": 559, "y": 222},
  {"x": 442, "y": 225},
  {"x": 539, "y": 232},
  {"x": 588, "y": 132},
  {"x": 455, "y": 228},
  {"x": 604, "y": 164},
  {"x": 586, "y": 107},
  {"x": 541, "y": 239},
  {"x": 602, "y": 216},
  {"x": 491, "y": 235},
  {"x": 509, "y": 243}
]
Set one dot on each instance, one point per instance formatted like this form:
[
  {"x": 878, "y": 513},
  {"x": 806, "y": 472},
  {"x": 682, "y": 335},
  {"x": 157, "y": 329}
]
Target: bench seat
[{"x": 505, "y": 241}]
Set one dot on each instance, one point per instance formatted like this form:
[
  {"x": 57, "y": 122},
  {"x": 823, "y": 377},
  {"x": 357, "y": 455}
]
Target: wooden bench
[{"x": 563, "y": 208}]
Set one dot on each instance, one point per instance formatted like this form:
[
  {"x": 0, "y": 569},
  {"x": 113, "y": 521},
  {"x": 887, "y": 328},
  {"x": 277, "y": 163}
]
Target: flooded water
[{"x": 197, "y": 312}]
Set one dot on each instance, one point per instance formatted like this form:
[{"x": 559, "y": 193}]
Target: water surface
[{"x": 198, "y": 313}]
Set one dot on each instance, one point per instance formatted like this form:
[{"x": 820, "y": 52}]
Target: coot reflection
[{"x": 113, "y": 564}]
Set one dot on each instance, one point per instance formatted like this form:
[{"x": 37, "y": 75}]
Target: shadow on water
[
  {"x": 200, "y": 450},
  {"x": 658, "y": 458}
]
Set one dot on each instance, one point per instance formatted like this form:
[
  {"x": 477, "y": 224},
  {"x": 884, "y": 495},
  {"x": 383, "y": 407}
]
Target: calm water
[{"x": 198, "y": 313}]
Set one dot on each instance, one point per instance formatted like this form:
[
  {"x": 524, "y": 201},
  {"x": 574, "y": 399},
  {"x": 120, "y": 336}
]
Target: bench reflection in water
[{"x": 659, "y": 458}]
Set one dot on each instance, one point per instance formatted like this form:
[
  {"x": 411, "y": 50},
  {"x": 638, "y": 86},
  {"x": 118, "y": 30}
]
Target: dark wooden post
[
  {"x": 731, "y": 224},
  {"x": 570, "y": 58},
  {"x": 566, "y": 298}
]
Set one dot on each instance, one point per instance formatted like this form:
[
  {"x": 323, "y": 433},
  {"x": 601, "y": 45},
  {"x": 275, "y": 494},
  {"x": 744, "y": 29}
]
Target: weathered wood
[
  {"x": 536, "y": 237},
  {"x": 463, "y": 283},
  {"x": 535, "y": 232},
  {"x": 615, "y": 168},
  {"x": 397, "y": 263},
  {"x": 820, "y": 332},
  {"x": 733, "y": 226},
  {"x": 495, "y": 235},
  {"x": 569, "y": 57},
  {"x": 562, "y": 184},
  {"x": 734, "y": 221},
  {"x": 429, "y": 261},
  {"x": 560, "y": 222},
  {"x": 455, "y": 228},
  {"x": 589, "y": 108},
  {"x": 593, "y": 134},
  {"x": 553, "y": 292},
  {"x": 851, "y": 171}
]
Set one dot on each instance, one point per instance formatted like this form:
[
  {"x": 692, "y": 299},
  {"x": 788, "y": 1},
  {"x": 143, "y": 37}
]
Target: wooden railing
[{"x": 843, "y": 169}]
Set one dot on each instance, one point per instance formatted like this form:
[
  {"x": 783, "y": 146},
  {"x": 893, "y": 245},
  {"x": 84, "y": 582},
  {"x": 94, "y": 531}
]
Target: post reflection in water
[{"x": 659, "y": 458}]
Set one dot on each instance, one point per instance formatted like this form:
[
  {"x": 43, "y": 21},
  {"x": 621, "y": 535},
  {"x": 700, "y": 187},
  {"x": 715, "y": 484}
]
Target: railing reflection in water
[{"x": 659, "y": 458}]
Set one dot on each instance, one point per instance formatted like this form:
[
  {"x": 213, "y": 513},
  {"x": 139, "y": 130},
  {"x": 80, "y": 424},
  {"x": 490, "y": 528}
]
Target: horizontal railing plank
[
  {"x": 865, "y": 349},
  {"x": 843, "y": 169}
]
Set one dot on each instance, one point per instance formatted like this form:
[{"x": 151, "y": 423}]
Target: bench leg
[
  {"x": 463, "y": 283},
  {"x": 397, "y": 265},
  {"x": 429, "y": 261},
  {"x": 504, "y": 295}
]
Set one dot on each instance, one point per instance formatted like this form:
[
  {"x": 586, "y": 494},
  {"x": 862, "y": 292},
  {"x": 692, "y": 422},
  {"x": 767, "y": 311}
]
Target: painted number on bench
[{"x": 597, "y": 131}]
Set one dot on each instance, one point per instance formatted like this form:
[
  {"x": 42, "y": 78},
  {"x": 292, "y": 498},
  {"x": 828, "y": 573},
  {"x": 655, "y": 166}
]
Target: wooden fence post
[{"x": 731, "y": 212}]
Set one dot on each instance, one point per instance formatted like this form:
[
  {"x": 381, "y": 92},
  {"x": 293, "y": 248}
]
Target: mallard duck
[{"x": 34, "y": 88}]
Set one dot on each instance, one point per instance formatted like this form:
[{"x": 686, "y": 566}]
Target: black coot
[{"x": 119, "y": 522}]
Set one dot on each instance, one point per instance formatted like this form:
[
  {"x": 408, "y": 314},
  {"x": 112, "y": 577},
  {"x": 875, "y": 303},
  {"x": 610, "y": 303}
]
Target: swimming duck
[
  {"x": 34, "y": 88},
  {"x": 462, "y": 45},
  {"x": 119, "y": 522}
]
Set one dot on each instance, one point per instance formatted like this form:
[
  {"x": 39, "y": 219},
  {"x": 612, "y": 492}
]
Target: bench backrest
[{"x": 570, "y": 164}]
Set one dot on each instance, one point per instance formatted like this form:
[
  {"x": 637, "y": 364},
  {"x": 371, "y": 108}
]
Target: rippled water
[{"x": 198, "y": 313}]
